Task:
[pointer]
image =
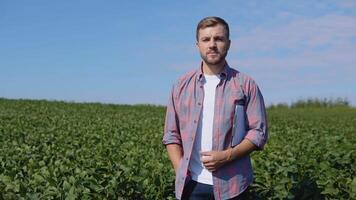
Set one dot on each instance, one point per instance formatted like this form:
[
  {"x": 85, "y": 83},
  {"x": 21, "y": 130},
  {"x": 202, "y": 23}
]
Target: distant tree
[
  {"x": 278, "y": 106},
  {"x": 313, "y": 103},
  {"x": 321, "y": 103}
]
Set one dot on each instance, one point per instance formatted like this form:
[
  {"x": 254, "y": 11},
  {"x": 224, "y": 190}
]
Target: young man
[{"x": 200, "y": 128}]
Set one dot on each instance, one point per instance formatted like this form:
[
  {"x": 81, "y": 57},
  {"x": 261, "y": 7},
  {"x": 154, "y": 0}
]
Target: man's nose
[{"x": 212, "y": 44}]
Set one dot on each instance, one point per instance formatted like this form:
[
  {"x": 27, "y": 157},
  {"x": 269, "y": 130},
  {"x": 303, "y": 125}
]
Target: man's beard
[{"x": 215, "y": 61}]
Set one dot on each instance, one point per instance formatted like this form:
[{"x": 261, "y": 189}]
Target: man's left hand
[{"x": 212, "y": 160}]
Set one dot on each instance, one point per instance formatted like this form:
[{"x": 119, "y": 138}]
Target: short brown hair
[{"x": 212, "y": 21}]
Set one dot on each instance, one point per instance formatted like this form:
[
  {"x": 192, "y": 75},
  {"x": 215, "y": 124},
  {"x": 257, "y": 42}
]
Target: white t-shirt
[{"x": 204, "y": 135}]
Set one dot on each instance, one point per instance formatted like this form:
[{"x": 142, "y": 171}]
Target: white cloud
[
  {"x": 306, "y": 33},
  {"x": 347, "y": 4},
  {"x": 305, "y": 56}
]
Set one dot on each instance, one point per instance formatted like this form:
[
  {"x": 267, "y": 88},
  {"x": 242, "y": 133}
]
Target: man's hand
[{"x": 212, "y": 160}]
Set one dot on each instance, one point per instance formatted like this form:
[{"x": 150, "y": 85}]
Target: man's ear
[
  {"x": 197, "y": 45},
  {"x": 228, "y": 46}
]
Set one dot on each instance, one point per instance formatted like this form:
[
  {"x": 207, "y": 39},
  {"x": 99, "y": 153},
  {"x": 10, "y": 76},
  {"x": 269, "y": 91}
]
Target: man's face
[{"x": 213, "y": 44}]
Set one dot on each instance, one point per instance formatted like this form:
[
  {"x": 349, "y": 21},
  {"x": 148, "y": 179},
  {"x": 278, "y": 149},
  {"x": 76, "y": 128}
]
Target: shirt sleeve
[
  {"x": 171, "y": 128},
  {"x": 257, "y": 130}
]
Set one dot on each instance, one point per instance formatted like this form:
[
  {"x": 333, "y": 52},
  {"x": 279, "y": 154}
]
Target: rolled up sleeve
[
  {"x": 171, "y": 128},
  {"x": 257, "y": 131}
]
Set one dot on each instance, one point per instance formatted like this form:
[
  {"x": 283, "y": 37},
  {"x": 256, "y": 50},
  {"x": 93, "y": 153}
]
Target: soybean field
[{"x": 63, "y": 150}]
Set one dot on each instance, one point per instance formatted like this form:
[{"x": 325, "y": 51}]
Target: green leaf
[{"x": 353, "y": 185}]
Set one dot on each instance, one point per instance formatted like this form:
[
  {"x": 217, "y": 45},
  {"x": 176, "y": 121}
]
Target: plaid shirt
[{"x": 181, "y": 123}]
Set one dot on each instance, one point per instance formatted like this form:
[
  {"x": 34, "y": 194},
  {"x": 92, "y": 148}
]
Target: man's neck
[{"x": 213, "y": 69}]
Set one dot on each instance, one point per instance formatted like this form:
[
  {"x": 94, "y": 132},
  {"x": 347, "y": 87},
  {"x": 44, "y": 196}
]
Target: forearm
[
  {"x": 175, "y": 154},
  {"x": 240, "y": 150}
]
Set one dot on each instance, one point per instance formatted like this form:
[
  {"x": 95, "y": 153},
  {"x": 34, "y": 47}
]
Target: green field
[{"x": 58, "y": 150}]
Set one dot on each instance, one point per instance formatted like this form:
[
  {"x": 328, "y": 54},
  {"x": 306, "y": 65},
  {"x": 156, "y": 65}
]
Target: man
[{"x": 200, "y": 128}]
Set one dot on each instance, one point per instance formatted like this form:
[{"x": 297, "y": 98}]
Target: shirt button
[
  {"x": 186, "y": 158},
  {"x": 201, "y": 86},
  {"x": 199, "y": 103},
  {"x": 195, "y": 121}
]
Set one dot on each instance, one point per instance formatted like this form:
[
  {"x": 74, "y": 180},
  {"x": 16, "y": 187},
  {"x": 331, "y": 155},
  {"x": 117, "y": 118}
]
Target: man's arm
[
  {"x": 212, "y": 160},
  {"x": 175, "y": 154},
  {"x": 171, "y": 138},
  {"x": 256, "y": 116}
]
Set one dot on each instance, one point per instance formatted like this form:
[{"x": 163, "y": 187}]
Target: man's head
[
  {"x": 212, "y": 21},
  {"x": 213, "y": 40}
]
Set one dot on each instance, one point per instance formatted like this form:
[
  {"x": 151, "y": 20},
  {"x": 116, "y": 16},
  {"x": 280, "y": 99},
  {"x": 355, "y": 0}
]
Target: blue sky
[{"x": 131, "y": 52}]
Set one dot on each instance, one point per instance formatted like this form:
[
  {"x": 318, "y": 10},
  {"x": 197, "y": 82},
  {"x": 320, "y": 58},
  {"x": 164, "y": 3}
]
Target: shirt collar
[{"x": 223, "y": 75}]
